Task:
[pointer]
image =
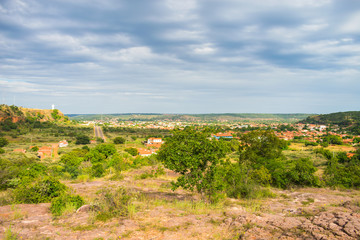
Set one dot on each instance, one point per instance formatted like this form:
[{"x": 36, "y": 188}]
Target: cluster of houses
[
  {"x": 46, "y": 151},
  {"x": 152, "y": 144}
]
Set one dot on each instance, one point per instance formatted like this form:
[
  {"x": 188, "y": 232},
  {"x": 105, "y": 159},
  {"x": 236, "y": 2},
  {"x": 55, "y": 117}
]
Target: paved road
[{"x": 98, "y": 132}]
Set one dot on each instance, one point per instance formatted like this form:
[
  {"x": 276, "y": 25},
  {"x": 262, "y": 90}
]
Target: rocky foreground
[{"x": 159, "y": 213}]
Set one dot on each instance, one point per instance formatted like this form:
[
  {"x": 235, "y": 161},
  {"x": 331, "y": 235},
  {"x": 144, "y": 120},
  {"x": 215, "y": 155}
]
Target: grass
[
  {"x": 308, "y": 201},
  {"x": 186, "y": 207},
  {"x": 87, "y": 227},
  {"x": 10, "y": 235},
  {"x": 253, "y": 206},
  {"x": 6, "y": 197}
]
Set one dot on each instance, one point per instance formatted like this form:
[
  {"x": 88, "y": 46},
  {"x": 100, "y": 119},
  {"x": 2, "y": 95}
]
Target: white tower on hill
[{"x": 53, "y": 107}]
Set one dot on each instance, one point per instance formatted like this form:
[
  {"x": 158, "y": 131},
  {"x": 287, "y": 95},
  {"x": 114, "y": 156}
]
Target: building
[
  {"x": 45, "y": 152},
  {"x": 146, "y": 152},
  {"x": 63, "y": 143},
  {"x": 227, "y": 135},
  {"x": 20, "y": 150},
  {"x": 154, "y": 142}
]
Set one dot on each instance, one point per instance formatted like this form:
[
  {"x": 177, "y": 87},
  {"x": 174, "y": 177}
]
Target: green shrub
[
  {"x": 118, "y": 163},
  {"x": 309, "y": 143},
  {"x": 132, "y": 151},
  {"x": 302, "y": 172},
  {"x": 86, "y": 148},
  {"x": 34, "y": 149},
  {"x": 82, "y": 139},
  {"x": 97, "y": 170},
  {"x": 41, "y": 190},
  {"x": 2, "y": 151},
  {"x": 64, "y": 201},
  {"x": 94, "y": 156},
  {"x": 343, "y": 172},
  {"x": 107, "y": 149},
  {"x": 3, "y": 142},
  {"x": 14, "y": 170},
  {"x": 119, "y": 140},
  {"x": 112, "y": 204}
]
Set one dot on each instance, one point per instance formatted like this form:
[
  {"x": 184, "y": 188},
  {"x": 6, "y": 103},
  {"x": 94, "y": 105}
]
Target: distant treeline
[
  {"x": 191, "y": 117},
  {"x": 140, "y": 132}
]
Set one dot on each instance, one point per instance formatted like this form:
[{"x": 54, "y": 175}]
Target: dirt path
[{"x": 159, "y": 213}]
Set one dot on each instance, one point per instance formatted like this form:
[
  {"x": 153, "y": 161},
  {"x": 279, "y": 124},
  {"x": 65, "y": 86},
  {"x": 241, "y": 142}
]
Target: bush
[
  {"x": 42, "y": 190},
  {"x": 3, "y": 142},
  {"x": 309, "y": 143},
  {"x": 2, "y": 151},
  {"x": 97, "y": 170},
  {"x": 119, "y": 140},
  {"x": 132, "y": 151},
  {"x": 112, "y": 204},
  {"x": 82, "y": 139},
  {"x": 65, "y": 201},
  {"x": 302, "y": 173},
  {"x": 34, "y": 149},
  {"x": 106, "y": 148}
]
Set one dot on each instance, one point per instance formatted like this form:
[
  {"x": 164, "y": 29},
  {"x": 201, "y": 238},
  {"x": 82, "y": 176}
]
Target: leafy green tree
[
  {"x": 193, "y": 155},
  {"x": 119, "y": 140},
  {"x": 132, "y": 151},
  {"x": 301, "y": 173},
  {"x": 107, "y": 149},
  {"x": 82, "y": 139},
  {"x": 94, "y": 156},
  {"x": 260, "y": 146},
  {"x": 333, "y": 139}
]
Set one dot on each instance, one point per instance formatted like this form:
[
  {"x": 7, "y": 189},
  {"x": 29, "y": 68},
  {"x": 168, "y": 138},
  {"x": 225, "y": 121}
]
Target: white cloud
[
  {"x": 205, "y": 49},
  {"x": 351, "y": 25},
  {"x": 181, "y": 35}
]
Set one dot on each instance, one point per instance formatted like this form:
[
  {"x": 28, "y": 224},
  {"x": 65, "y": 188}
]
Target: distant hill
[
  {"x": 19, "y": 114},
  {"x": 340, "y": 118},
  {"x": 228, "y": 117}
]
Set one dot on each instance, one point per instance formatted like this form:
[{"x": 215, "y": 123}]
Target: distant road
[{"x": 98, "y": 132}]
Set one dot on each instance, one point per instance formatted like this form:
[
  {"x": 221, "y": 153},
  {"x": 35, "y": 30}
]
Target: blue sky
[{"x": 188, "y": 56}]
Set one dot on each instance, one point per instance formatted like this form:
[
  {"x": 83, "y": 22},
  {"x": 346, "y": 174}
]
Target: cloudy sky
[{"x": 181, "y": 56}]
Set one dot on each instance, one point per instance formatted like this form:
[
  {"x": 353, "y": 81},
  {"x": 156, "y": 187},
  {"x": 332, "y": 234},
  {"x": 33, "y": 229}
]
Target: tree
[
  {"x": 259, "y": 146},
  {"x": 262, "y": 148},
  {"x": 132, "y": 151},
  {"x": 192, "y": 154},
  {"x": 82, "y": 139},
  {"x": 119, "y": 140},
  {"x": 107, "y": 149}
]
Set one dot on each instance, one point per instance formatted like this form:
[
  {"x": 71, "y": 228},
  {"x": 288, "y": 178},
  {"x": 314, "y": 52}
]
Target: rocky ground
[{"x": 159, "y": 213}]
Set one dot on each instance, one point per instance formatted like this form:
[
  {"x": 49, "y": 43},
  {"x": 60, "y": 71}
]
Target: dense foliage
[
  {"x": 202, "y": 166},
  {"x": 119, "y": 140},
  {"x": 195, "y": 157}
]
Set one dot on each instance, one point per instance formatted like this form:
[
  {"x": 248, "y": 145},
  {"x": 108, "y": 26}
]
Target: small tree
[
  {"x": 119, "y": 140},
  {"x": 82, "y": 139},
  {"x": 192, "y": 154},
  {"x": 132, "y": 151}
]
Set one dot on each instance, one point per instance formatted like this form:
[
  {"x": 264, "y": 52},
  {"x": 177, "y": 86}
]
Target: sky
[{"x": 188, "y": 56}]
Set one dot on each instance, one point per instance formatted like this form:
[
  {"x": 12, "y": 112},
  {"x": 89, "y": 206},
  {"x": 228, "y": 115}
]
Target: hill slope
[
  {"x": 339, "y": 118},
  {"x": 20, "y": 114}
]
